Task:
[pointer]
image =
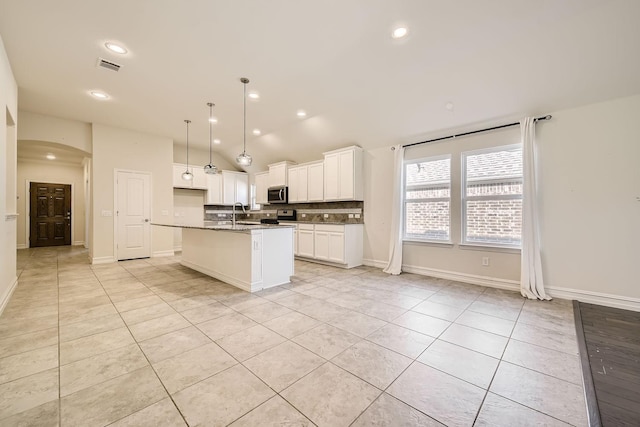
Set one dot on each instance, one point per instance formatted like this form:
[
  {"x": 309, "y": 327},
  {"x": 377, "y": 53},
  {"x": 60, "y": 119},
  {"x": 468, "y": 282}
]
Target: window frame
[
  {"x": 405, "y": 201},
  {"x": 464, "y": 198}
]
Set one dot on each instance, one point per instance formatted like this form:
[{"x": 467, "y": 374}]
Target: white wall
[
  {"x": 57, "y": 174},
  {"x": 589, "y": 183},
  {"x": 38, "y": 127},
  {"x": 115, "y": 148},
  {"x": 8, "y": 150}
]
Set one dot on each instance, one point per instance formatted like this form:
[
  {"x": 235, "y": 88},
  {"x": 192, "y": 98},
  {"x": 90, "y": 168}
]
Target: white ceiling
[{"x": 493, "y": 59}]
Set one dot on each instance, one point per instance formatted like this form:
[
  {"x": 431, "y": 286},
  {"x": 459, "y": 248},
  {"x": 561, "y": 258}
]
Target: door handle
[{"x": 146, "y": 220}]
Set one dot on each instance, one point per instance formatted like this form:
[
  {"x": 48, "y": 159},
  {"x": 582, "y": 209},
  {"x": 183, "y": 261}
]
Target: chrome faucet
[{"x": 233, "y": 217}]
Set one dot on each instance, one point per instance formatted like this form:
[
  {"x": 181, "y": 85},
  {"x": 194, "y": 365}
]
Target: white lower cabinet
[
  {"x": 332, "y": 243},
  {"x": 305, "y": 240}
]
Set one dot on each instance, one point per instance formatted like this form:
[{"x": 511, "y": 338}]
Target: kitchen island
[{"x": 251, "y": 257}]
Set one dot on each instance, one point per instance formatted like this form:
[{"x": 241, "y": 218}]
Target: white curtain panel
[
  {"x": 531, "y": 281},
  {"x": 397, "y": 212}
]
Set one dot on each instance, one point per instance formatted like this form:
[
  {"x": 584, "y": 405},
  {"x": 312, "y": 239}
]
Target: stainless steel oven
[{"x": 278, "y": 194}]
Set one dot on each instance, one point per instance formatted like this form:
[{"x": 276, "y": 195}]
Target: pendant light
[
  {"x": 244, "y": 159},
  {"x": 210, "y": 168},
  {"x": 186, "y": 175}
]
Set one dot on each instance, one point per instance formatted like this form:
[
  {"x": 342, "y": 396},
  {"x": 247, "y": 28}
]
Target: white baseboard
[
  {"x": 22, "y": 246},
  {"x": 374, "y": 263},
  {"x": 491, "y": 282},
  {"x": 102, "y": 260},
  {"x": 78, "y": 243},
  {"x": 7, "y": 296},
  {"x": 163, "y": 253},
  {"x": 177, "y": 248},
  {"x": 599, "y": 298}
]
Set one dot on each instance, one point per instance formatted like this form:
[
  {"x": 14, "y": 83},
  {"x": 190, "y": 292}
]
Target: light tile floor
[{"x": 149, "y": 342}]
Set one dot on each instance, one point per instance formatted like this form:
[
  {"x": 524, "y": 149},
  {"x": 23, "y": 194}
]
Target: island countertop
[{"x": 241, "y": 227}]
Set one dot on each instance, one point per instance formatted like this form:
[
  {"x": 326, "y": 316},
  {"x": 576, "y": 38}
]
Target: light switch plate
[
  {"x": 165, "y": 212},
  {"x": 357, "y": 215},
  {"x": 350, "y": 216},
  {"x": 107, "y": 213}
]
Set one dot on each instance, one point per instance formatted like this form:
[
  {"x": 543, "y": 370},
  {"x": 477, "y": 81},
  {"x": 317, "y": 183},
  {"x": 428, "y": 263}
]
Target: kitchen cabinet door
[
  {"x": 315, "y": 182},
  {"x": 242, "y": 189},
  {"x": 331, "y": 177},
  {"x": 298, "y": 184},
  {"x": 321, "y": 245},
  {"x": 262, "y": 183},
  {"x": 335, "y": 247},
  {"x": 178, "y": 182},
  {"x": 278, "y": 174},
  {"x": 343, "y": 174},
  {"x": 214, "y": 189},
  {"x": 305, "y": 242},
  {"x": 199, "y": 178}
]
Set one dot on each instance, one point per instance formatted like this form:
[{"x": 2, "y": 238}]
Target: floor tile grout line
[{"x": 148, "y": 361}]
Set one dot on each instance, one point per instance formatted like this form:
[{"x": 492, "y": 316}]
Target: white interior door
[{"x": 133, "y": 214}]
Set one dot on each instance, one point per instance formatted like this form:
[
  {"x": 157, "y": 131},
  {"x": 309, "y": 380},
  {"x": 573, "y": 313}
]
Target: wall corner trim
[
  {"x": 169, "y": 252},
  {"x": 7, "y": 296},
  {"x": 22, "y": 246}
]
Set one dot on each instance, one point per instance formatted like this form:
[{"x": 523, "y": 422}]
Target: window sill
[
  {"x": 436, "y": 243},
  {"x": 488, "y": 247}
]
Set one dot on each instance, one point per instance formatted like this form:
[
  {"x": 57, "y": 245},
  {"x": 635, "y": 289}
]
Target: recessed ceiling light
[
  {"x": 115, "y": 48},
  {"x": 213, "y": 120},
  {"x": 254, "y": 95},
  {"x": 256, "y": 132},
  {"x": 301, "y": 113},
  {"x": 216, "y": 141},
  {"x": 50, "y": 156},
  {"x": 99, "y": 95},
  {"x": 449, "y": 106},
  {"x": 399, "y": 33}
]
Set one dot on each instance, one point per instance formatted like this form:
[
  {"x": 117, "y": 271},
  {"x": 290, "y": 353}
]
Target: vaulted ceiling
[{"x": 490, "y": 60}]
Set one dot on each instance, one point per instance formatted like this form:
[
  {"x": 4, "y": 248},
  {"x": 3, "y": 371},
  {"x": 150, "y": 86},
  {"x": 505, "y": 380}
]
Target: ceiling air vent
[{"x": 108, "y": 64}]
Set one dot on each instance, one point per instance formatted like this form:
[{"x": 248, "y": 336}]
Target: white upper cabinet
[
  {"x": 306, "y": 183},
  {"x": 315, "y": 182},
  {"x": 228, "y": 188},
  {"x": 278, "y": 173},
  {"x": 199, "y": 182},
  {"x": 298, "y": 184},
  {"x": 262, "y": 184},
  {"x": 343, "y": 174},
  {"x": 214, "y": 189},
  {"x": 235, "y": 188}
]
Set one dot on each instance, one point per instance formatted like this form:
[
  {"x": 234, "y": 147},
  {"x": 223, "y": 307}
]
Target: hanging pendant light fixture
[
  {"x": 244, "y": 159},
  {"x": 210, "y": 168},
  {"x": 186, "y": 175}
]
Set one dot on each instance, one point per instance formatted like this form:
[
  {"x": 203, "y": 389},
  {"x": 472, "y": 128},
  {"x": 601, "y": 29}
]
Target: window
[
  {"x": 427, "y": 199},
  {"x": 492, "y": 196}
]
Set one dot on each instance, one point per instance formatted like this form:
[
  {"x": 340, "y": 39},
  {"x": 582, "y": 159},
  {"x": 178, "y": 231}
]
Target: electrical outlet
[
  {"x": 485, "y": 261},
  {"x": 304, "y": 215},
  {"x": 357, "y": 215},
  {"x": 350, "y": 216},
  {"x": 326, "y": 215}
]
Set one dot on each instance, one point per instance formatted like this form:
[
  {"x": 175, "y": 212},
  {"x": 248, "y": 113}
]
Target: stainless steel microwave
[{"x": 278, "y": 194}]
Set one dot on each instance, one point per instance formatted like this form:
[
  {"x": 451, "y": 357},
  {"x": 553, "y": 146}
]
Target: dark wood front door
[{"x": 50, "y": 214}]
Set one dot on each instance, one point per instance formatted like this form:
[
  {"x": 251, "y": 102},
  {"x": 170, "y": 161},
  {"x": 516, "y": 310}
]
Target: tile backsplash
[{"x": 329, "y": 212}]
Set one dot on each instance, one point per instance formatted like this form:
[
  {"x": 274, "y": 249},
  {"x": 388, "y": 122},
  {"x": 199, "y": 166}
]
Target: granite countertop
[
  {"x": 320, "y": 222},
  {"x": 241, "y": 226}
]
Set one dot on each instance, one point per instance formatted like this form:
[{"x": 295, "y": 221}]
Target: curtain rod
[{"x": 537, "y": 119}]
